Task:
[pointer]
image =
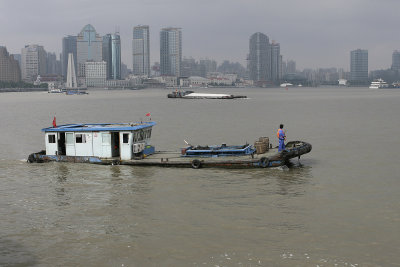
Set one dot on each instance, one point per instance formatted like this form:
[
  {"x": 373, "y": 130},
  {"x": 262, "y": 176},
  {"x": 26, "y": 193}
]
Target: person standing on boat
[{"x": 281, "y": 137}]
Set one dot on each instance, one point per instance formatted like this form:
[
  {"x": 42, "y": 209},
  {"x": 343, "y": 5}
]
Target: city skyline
[{"x": 313, "y": 33}]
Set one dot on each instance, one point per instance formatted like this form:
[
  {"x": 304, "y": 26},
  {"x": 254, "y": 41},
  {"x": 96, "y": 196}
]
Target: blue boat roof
[{"x": 99, "y": 127}]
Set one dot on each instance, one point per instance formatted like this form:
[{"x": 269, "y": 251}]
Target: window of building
[{"x": 52, "y": 138}]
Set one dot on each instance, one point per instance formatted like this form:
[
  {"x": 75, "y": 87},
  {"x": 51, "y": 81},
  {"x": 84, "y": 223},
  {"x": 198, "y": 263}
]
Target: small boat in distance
[
  {"x": 55, "y": 91},
  {"x": 378, "y": 84},
  {"x": 76, "y": 91},
  {"x": 286, "y": 85}
]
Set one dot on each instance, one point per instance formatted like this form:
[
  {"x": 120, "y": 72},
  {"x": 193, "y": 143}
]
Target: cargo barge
[{"x": 129, "y": 144}]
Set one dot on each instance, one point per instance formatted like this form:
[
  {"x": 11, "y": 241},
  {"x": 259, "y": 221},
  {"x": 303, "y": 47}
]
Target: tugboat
[{"x": 129, "y": 144}]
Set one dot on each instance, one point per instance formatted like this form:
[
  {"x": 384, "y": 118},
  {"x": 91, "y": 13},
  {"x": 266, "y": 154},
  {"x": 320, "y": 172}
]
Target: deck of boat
[{"x": 174, "y": 159}]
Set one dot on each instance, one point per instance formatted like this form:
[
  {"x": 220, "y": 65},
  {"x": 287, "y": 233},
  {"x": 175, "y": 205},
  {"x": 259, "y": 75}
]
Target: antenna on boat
[{"x": 185, "y": 141}]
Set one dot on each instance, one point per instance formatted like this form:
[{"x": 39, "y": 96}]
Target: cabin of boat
[{"x": 102, "y": 140}]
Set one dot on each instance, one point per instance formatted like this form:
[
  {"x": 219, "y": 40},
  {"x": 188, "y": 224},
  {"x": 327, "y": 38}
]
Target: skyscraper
[
  {"x": 112, "y": 55},
  {"x": 275, "y": 61},
  {"x": 68, "y": 46},
  {"x": 33, "y": 62},
  {"x": 359, "y": 66},
  {"x": 259, "y": 58},
  {"x": 396, "y": 60},
  {"x": 170, "y": 51},
  {"x": 9, "y": 67},
  {"x": 88, "y": 48},
  {"x": 141, "y": 50}
]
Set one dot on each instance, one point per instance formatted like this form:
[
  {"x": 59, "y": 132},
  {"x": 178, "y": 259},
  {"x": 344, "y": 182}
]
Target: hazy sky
[{"x": 314, "y": 33}]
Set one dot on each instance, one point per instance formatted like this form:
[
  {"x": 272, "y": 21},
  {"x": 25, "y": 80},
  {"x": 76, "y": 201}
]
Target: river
[{"x": 337, "y": 206}]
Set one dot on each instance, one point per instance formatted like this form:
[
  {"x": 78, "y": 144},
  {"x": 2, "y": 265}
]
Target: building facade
[
  {"x": 112, "y": 55},
  {"x": 170, "y": 51},
  {"x": 96, "y": 73},
  {"x": 141, "y": 50},
  {"x": 68, "y": 46},
  {"x": 396, "y": 60},
  {"x": 33, "y": 62},
  {"x": 359, "y": 66},
  {"x": 89, "y": 48},
  {"x": 259, "y": 58},
  {"x": 276, "y": 62},
  {"x": 9, "y": 67}
]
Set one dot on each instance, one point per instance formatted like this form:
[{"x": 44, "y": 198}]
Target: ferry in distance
[
  {"x": 286, "y": 85},
  {"x": 378, "y": 84}
]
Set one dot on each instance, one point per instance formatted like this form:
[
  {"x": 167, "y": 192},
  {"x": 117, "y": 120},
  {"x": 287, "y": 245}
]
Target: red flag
[
  {"x": 54, "y": 122},
  {"x": 147, "y": 114}
]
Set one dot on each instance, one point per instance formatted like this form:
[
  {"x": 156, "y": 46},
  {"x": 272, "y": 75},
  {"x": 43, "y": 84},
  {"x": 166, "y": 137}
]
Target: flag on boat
[
  {"x": 54, "y": 122},
  {"x": 148, "y": 114}
]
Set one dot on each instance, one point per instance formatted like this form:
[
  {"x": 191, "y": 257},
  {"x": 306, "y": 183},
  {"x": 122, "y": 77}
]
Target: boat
[
  {"x": 193, "y": 95},
  {"x": 178, "y": 94},
  {"x": 55, "y": 91},
  {"x": 286, "y": 85},
  {"x": 129, "y": 144},
  {"x": 378, "y": 84},
  {"x": 76, "y": 91}
]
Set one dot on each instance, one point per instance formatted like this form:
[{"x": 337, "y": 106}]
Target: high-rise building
[
  {"x": 9, "y": 67},
  {"x": 275, "y": 61},
  {"x": 359, "y": 66},
  {"x": 396, "y": 60},
  {"x": 291, "y": 67},
  {"x": 207, "y": 65},
  {"x": 33, "y": 62},
  {"x": 52, "y": 63},
  {"x": 88, "y": 48},
  {"x": 96, "y": 73},
  {"x": 141, "y": 50},
  {"x": 170, "y": 51},
  {"x": 259, "y": 58},
  {"x": 68, "y": 46},
  {"x": 112, "y": 55}
]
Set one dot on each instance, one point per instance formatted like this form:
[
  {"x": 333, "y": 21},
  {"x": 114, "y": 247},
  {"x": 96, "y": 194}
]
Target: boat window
[
  {"x": 52, "y": 138},
  {"x": 141, "y": 135},
  {"x": 70, "y": 138},
  {"x": 149, "y": 133},
  {"x": 106, "y": 138},
  {"x": 125, "y": 138},
  {"x": 80, "y": 138}
]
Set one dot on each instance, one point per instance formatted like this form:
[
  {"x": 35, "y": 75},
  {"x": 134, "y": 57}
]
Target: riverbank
[{"x": 7, "y": 90}]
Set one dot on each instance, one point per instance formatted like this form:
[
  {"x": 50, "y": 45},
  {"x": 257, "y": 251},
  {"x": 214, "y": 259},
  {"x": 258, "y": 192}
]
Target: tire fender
[
  {"x": 196, "y": 164},
  {"x": 263, "y": 162}
]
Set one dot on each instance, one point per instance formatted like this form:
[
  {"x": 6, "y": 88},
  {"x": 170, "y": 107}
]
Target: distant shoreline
[{"x": 8, "y": 90}]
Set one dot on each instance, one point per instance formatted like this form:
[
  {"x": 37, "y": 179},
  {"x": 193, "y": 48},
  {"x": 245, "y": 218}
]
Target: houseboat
[{"x": 129, "y": 144}]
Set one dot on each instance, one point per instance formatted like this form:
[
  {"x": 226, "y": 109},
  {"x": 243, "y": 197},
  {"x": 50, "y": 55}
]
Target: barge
[
  {"x": 129, "y": 144},
  {"x": 193, "y": 95}
]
